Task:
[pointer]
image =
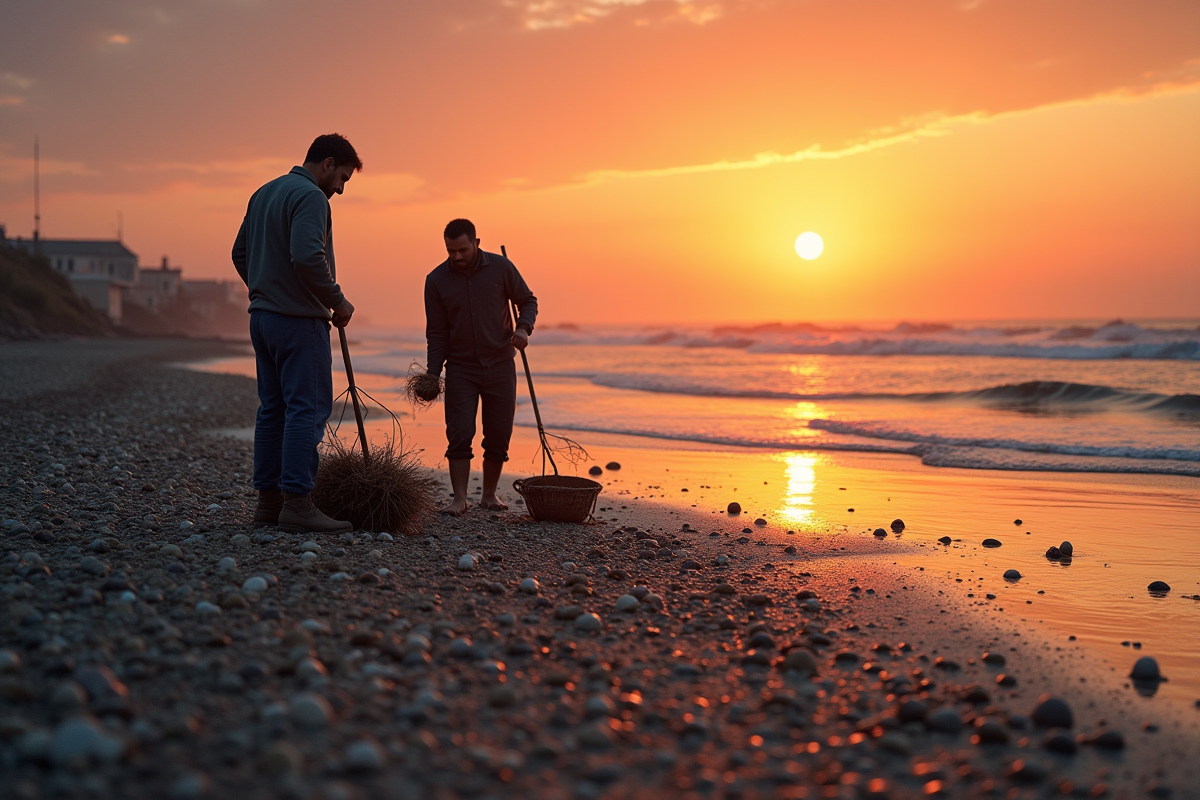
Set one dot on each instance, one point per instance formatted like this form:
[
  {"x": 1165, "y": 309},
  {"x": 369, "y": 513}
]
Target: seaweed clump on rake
[{"x": 389, "y": 491}]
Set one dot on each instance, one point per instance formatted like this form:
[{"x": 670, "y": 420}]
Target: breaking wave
[
  {"x": 1114, "y": 340},
  {"x": 1031, "y": 395}
]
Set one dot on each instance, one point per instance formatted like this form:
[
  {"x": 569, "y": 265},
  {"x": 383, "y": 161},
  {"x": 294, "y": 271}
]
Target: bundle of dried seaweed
[{"x": 389, "y": 491}]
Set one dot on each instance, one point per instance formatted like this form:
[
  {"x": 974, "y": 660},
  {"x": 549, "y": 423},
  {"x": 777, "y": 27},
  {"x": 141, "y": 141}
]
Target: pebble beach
[{"x": 154, "y": 644}]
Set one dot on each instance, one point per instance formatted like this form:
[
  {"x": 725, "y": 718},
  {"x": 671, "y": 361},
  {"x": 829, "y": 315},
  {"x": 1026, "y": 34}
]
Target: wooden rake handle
[
  {"x": 537, "y": 414},
  {"x": 358, "y": 416}
]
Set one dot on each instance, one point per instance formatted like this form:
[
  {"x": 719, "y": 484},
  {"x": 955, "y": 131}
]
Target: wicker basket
[{"x": 558, "y": 498}]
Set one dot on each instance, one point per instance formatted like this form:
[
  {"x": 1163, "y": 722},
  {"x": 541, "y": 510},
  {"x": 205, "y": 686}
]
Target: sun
[{"x": 809, "y": 245}]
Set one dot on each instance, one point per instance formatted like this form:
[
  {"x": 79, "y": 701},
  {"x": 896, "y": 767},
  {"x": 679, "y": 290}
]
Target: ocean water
[{"x": 1109, "y": 397}]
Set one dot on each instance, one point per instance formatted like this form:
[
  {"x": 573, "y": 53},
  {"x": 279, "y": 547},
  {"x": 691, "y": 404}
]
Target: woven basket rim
[{"x": 552, "y": 482}]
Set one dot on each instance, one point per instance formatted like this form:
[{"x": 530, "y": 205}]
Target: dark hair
[
  {"x": 335, "y": 146},
  {"x": 459, "y": 227}
]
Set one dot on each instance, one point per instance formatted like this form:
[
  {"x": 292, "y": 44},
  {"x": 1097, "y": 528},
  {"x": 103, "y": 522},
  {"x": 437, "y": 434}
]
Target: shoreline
[
  {"x": 1100, "y": 596},
  {"x": 376, "y": 695}
]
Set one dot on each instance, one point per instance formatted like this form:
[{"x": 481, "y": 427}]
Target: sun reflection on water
[{"x": 801, "y": 475}]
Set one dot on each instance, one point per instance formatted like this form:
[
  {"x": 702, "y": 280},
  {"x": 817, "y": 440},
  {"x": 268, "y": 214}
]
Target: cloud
[
  {"x": 557, "y": 14},
  {"x": 770, "y": 159},
  {"x": 244, "y": 167},
  {"x": 8, "y": 100},
  {"x": 14, "y": 169},
  {"x": 16, "y": 81},
  {"x": 118, "y": 38},
  {"x": 930, "y": 126}
]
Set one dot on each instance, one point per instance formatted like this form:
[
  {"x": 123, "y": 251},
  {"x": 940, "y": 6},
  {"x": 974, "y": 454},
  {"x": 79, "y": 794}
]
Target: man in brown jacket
[{"x": 468, "y": 328}]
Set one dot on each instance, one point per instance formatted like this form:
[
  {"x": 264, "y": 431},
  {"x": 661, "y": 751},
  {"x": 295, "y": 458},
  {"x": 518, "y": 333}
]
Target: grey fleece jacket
[{"x": 284, "y": 249}]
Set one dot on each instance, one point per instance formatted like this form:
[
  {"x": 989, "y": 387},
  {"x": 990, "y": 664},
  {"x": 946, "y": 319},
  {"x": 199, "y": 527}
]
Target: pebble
[
  {"x": 596, "y": 737},
  {"x": 502, "y": 696},
  {"x": 1067, "y": 549},
  {"x": 310, "y": 711},
  {"x": 364, "y": 756},
  {"x": 612, "y": 465},
  {"x": 1023, "y": 771},
  {"x": 626, "y": 602},
  {"x": 897, "y": 525},
  {"x": 310, "y": 547},
  {"x": 992, "y": 543},
  {"x": 880, "y": 532},
  {"x": 68, "y": 697},
  {"x": 595, "y": 470},
  {"x": 1146, "y": 669},
  {"x": 93, "y": 566},
  {"x": 733, "y": 508},
  {"x": 1051, "y": 712},
  {"x": 944, "y": 540},
  {"x": 1107, "y": 740},
  {"x": 9, "y": 662},
  {"x": 912, "y": 711},
  {"x": 467, "y": 561},
  {"x": 988, "y": 731},
  {"x": 588, "y": 623},
  {"x": 80, "y": 741},
  {"x": 227, "y": 564},
  {"x": 171, "y": 550},
  {"x": 1061, "y": 743},
  {"x": 205, "y": 608},
  {"x": 945, "y": 720},
  {"x": 1012, "y": 575},
  {"x": 1158, "y": 587},
  {"x": 800, "y": 660},
  {"x": 189, "y": 786},
  {"x": 256, "y": 584}
]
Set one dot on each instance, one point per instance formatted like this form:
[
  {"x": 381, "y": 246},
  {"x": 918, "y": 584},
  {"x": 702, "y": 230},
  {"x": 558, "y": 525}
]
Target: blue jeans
[{"x": 295, "y": 395}]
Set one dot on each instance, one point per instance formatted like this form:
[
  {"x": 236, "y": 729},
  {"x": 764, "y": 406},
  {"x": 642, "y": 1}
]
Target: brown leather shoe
[
  {"x": 270, "y": 503},
  {"x": 299, "y": 515}
]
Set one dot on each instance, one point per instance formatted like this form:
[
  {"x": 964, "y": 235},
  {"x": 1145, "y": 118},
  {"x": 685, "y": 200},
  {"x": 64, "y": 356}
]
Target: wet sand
[{"x": 138, "y": 662}]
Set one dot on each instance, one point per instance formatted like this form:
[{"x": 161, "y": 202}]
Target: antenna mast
[{"x": 37, "y": 199}]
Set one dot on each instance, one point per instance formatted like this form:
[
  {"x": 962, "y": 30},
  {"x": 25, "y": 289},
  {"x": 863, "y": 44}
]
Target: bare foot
[
  {"x": 456, "y": 508},
  {"x": 493, "y": 504}
]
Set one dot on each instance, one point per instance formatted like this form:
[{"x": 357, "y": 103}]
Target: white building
[
  {"x": 157, "y": 288},
  {"x": 99, "y": 270}
]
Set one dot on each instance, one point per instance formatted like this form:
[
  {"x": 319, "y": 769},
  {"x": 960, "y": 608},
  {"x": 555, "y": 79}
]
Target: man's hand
[
  {"x": 343, "y": 313},
  {"x": 520, "y": 338}
]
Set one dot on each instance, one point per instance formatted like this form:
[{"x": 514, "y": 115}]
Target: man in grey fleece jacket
[{"x": 284, "y": 253}]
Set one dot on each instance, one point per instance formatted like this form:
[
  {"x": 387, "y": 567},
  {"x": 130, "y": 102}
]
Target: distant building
[
  {"x": 99, "y": 270},
  {"x": 209, "y": 298},
  {"x": 156, "y": 288}
]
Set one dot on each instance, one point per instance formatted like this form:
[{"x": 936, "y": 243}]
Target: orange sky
[{"x": 645, "y": 161}]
